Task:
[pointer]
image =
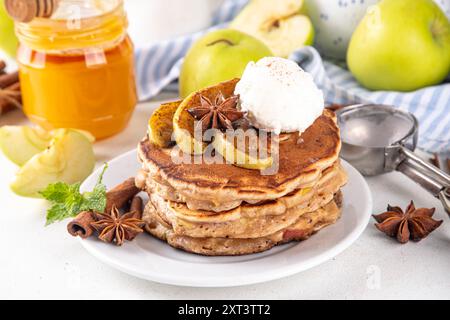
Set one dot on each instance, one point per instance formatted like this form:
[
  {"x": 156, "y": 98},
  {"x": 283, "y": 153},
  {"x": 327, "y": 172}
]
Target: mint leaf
[
  {"x": 55, "y": 213},
  {"x": 67, "y": 201},
  {"x": 59, "y": 191},
  {"x": 62, "y": 210},
  {"x": 100, "y": 177},
  {"x": 95, "y": 200}
]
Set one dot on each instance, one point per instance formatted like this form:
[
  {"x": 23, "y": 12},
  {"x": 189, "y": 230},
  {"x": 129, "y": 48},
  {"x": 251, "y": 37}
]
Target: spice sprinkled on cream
[{"x": 279, "y": 96}]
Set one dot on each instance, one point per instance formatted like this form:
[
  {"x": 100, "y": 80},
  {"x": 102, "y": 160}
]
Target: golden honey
[{"x": 78, "y": 72}]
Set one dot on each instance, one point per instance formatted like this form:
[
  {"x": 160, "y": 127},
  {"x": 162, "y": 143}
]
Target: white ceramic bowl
[
  {"x": 157, "y": 20},
  {"x": 334, "y": 22}
]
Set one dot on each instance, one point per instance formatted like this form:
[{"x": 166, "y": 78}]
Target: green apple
[
  {"x": 69, "y": 158},
  {"x": 279, "y": 24},
  {"x": 401, "y": 45},
  {"x": 8, "y": 40},
  {"x": 219, "y": 56}
]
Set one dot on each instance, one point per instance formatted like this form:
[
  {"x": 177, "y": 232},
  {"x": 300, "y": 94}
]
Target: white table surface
[{"x": 38, "y": 262}]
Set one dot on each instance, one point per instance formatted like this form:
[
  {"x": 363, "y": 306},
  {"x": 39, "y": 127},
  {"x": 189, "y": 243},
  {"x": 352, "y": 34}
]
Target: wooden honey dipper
[{"x": 27, "y": 10}]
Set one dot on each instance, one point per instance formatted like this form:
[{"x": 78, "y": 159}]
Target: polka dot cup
[{"x": 334, "y": 22}]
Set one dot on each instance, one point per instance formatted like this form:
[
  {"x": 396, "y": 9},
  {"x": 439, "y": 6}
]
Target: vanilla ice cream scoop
[{"x": 279, "y": 96}]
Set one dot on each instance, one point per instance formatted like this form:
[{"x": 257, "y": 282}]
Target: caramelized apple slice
[
  {"x": 183, "y": 129},
  {"x": 241, "y": 157},
  {"x": 160, "y": 124},
  {"x": 183, "y": 122}
]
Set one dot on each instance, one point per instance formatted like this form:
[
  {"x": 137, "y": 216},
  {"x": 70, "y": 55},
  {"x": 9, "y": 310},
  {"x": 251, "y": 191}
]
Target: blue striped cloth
[{"x": 159, "y": 65}]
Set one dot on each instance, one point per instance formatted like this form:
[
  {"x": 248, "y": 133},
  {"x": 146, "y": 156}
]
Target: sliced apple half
[
  {"x": 183, "y": 123},
  {"x": 278, "y": 24},
  {"x": 241, "y": 157},
  {"x": 21, "y": 143},
  {"x": 160, "y": 124},
  {"x": 288, "y": 35},
  {"x": 69, "y": 158}
]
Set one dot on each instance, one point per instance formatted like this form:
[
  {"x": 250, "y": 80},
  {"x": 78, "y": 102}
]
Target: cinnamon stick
[
  {"x": 120, "y": 195},
  {"x": 8, "y": 79},
  {"x": 10, "y": 95},
  {"x": 6, "y": 106},
  {"x": 448, "y": 164},
  {"x": 14, "y": 90},
  {"x": 136, "y": 206},
  {"x": 81, "y": 225},
  {"x": 10, "y": 98}
]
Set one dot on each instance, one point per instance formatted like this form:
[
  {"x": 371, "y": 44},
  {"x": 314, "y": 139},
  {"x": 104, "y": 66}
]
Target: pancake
[
  {"x": 247, "y": 220},
  {"x": 301, "y": 162},
  {"x": 301, "y": 229},
  {"x": 242, "y": 222},
  {"x": 290, "y": 200}
]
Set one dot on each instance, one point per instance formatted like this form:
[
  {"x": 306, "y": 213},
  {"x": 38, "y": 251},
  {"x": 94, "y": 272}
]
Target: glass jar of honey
[{"x": 76, "y": 67}]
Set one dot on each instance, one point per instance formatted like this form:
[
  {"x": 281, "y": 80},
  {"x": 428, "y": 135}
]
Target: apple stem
[{"x": 220, "y": 40}]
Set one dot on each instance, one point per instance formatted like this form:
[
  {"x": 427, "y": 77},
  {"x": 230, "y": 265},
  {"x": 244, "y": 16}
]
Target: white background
[{"x": 46, "y": 262}]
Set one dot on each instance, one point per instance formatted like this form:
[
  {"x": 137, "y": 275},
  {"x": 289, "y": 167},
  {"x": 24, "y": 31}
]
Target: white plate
[{"x": 151, "y": 259}]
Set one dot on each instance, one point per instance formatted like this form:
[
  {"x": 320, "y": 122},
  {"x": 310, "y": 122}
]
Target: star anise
[
  {"x": 117, "y": 228},
  {"x": 219, "y": 114},
  {"x": 414, "y": 224}
]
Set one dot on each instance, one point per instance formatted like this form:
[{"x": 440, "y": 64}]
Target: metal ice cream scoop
[{"x": 377, "y": 139}]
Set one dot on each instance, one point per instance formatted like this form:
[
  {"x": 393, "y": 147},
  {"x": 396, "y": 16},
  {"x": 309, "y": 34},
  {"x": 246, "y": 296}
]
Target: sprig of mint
[{"x": 67, "y": 200}]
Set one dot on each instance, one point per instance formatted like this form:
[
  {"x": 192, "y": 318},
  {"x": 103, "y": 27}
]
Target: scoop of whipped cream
[{"x": 279, "y": 96}]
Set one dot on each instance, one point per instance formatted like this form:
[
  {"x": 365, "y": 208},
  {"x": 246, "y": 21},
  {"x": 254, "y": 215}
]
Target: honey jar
[{"x": 76, "y": 66}]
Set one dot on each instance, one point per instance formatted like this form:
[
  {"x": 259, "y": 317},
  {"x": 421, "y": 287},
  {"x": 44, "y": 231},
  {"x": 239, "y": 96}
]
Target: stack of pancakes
[{"x": 222, "y": 209}]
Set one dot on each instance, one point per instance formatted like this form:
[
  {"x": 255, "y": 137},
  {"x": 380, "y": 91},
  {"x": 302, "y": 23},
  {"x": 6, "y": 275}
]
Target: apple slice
[
  {"x": 183, "y": 122},
  {"x": 226, "y": 147},
  {"x": 69, "y": 158},
  {"x": 183, "y": 129},
  {"x": 289, "y": 35},
  {"x": 85, "y": 133},
  {"x": 20, "y": 144},
  {"x": 278, "y": 24},
  {"x": 160, "y": 124}
]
